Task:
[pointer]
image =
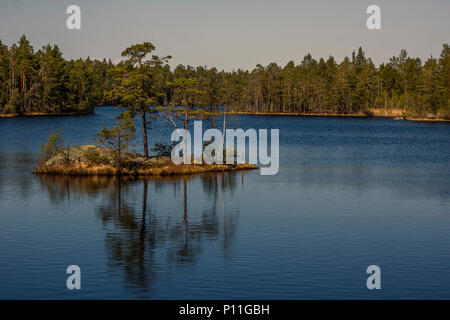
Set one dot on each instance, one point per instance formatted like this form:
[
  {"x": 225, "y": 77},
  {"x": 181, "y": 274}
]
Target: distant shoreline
[
  {"x": 43, "y": 114},
  {"x": 301, "y": 114},
  {"x": 338, "y": 115}
]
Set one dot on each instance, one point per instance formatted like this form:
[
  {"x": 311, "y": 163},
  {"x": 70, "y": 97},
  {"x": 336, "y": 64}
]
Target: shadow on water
[{"x": 144, "y": 232}]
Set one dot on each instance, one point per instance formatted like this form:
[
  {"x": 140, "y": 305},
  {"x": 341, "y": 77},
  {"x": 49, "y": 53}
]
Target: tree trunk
[
  {"x": 119, "y": 157},
  {"x": 144, "y": 133},
  {"x": 23, "y": 87},
  {"x": 185, "y": 155},
  {"x": 185, "y": 200},
  {"x": 224, "y": 127},
  {"x": 81, "y": 98}
]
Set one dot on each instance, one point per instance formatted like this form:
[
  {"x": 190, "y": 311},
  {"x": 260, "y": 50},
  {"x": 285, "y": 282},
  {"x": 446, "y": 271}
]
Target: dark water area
[{"x": 349, "y": 193}]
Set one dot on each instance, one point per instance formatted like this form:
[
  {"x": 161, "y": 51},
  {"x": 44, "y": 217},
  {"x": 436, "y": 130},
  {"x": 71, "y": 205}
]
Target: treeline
[
  {"x": 355, "y": 85},
  {"x": 43, "y": 81}
]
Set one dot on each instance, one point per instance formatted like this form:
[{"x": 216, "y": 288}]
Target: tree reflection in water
[{"x": 157, "y": 223}]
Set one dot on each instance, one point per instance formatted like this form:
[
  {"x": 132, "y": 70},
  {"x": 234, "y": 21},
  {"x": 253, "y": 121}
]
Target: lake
[{"x": 350, "y": 192}]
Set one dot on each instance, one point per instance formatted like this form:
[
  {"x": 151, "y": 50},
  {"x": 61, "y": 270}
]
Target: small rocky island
[{"x": 89, "y": 160}]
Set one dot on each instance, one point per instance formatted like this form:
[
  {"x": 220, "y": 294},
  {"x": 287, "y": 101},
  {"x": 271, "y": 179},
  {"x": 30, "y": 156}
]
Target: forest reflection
[{"x": 153, "y": 224}]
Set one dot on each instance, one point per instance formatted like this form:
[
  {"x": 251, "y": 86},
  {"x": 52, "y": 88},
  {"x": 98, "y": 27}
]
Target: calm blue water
[{"x": 350, "y": 193}]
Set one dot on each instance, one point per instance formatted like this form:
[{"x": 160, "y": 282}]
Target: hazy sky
[{"x": 231, "y": 34}]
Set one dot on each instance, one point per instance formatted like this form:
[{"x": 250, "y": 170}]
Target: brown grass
[
  {"x": 371, "y": 112},
  {"x": 398, "y": 114},
  {"x": 429, "y": 120},
  {"x": 387, "y": 112},
  {"x": 107, "y": 170},
  {"x": 312, "y": 114},
  {"x": 45, "y": 114}
]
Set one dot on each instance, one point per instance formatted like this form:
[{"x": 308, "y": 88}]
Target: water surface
[{"x": 350, "y": 193}]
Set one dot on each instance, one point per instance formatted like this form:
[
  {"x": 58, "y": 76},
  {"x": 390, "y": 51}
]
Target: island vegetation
[
  {"x": 43, "y": 82},
  {"x": 135, "y": 89},
  {"x": 57, "y": 158}
]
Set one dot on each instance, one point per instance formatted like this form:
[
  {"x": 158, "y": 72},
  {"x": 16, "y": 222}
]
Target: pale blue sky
[{"x": 231, "y": 33}]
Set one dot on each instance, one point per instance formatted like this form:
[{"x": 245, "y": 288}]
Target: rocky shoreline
[{"x": 97, "y": 161}]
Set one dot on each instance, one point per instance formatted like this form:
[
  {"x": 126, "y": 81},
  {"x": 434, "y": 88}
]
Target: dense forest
[{"x": 43, "y": 81}]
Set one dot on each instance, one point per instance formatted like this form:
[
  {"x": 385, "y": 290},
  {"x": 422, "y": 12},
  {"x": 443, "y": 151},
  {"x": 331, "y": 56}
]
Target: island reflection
[{"x": 140, "y": 234}]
